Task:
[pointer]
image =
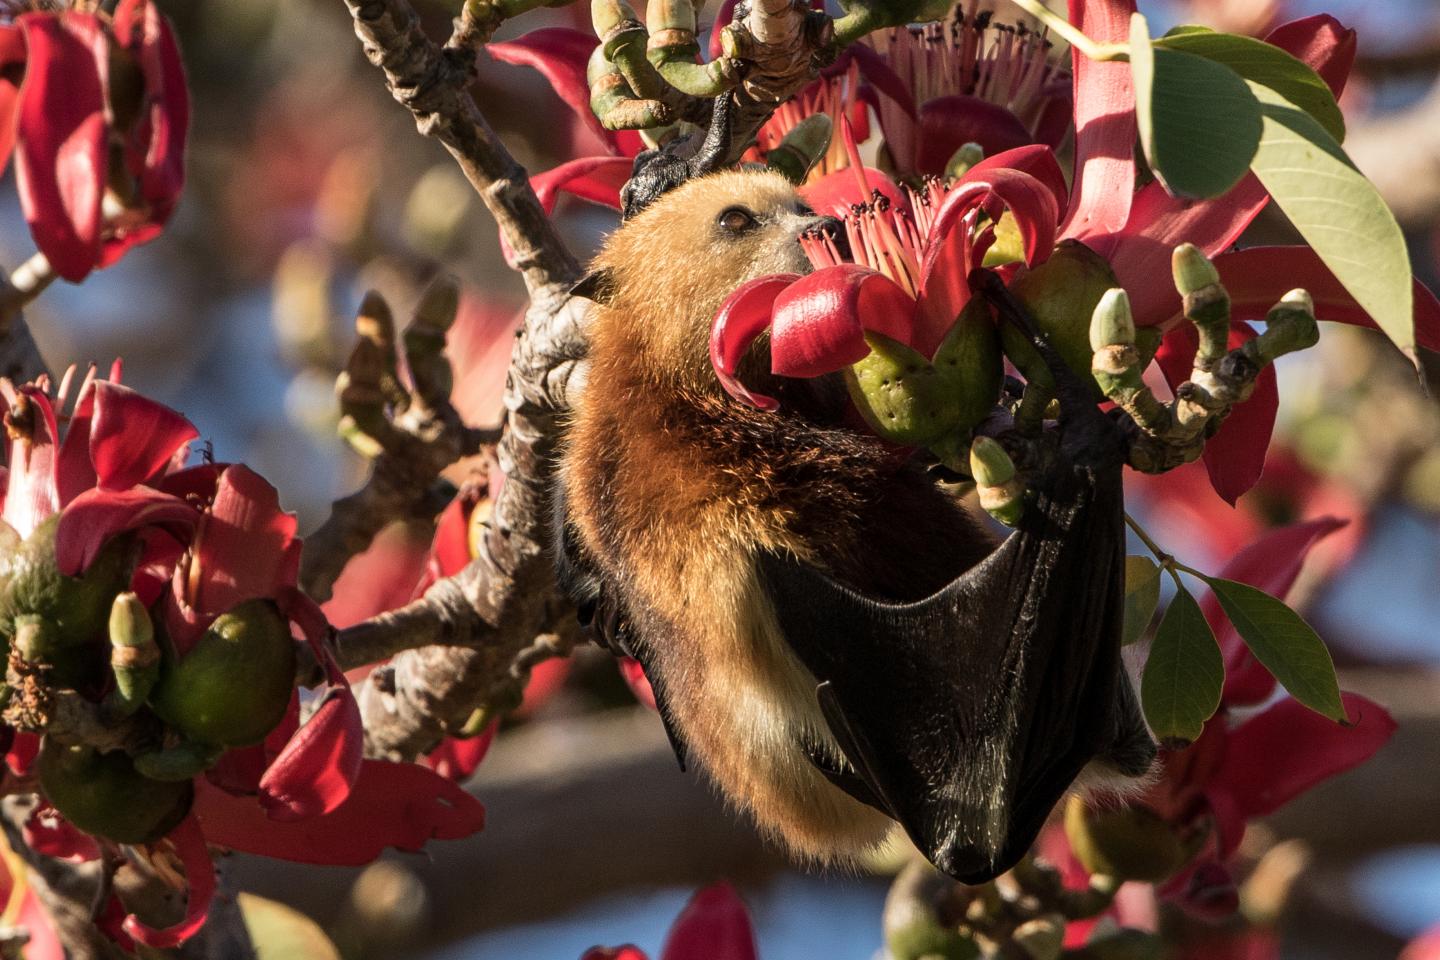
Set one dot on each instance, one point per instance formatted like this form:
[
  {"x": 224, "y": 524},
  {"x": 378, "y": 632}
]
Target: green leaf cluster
[{"x": 1213, "y": 107}]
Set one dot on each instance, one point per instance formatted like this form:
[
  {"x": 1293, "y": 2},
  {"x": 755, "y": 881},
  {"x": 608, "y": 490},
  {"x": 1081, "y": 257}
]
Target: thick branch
[
  {"x": 479, "y": 621},
  {"x": 431, "y": 83}
]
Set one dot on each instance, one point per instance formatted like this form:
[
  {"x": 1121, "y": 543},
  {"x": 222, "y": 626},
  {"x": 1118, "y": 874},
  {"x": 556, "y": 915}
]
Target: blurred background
[{"x": 308, "y": 186}]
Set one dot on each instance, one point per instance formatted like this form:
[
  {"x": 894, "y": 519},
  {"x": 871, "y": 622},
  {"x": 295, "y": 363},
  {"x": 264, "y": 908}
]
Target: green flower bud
[
  {"x": 1112, "y": 323},
  {"x": 1192, "y": 269},
  {"x": 801, "y": 148},
  {"x": 134, "y": 655},
  {"x": 1128, "y": 843},
  {"x": 1060, "y": 295},
  {"x": 990, "y": 465}
]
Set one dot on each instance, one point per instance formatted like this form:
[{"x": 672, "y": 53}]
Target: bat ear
[{"x": 597, "y": 285}]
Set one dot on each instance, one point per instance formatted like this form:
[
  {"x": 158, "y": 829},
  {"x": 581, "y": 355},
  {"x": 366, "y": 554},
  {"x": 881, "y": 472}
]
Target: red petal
[
  {"x": 94, "y": 517},
  {"x": 877, "y": 73},
  {"x": 31, "y": 495},
  {"x": 944, "y": 273},
  {"x": 1285, "y": 750},
  {"x": 597, "y": 179},
  {"x": 451, "y": 547},
  {"x": 1259, "y": 276},
  {"x": 24, "y": 748},
  {"x": 199, "y": 876},
  {"x": 155, "y": 149},
  {"x": 243, "y": 550},
  {"x": 1036, "y": 159},
  {"x": 401, "y": 805},
  {"x": 62, "y": 134},
  {"x": 740, "y": 321},
  {"x": 639, "y": 684},
  {"x": 1271, "y": 564},
  {"x": 1235, "y": 456},
  {"x": 49, "y": 833},
  {"x": 713, "y": 926},
  {"x": 12, "y": 54},
  {"x": 948, "y": 123},
  {"x": 561, "y": 55},
  {"x": 133, "y": 438},
  {"x": 819, "y": 319},
  {"x": 1159, "y": 223},
  {"x": 835, "y": 193},
  {"x": 1104, "y": 124},
  {"x": 1323, "y": 43},
  {"x": 457, "y": 757},
  {"x": 629, "y": 951},
  {"x": 316, "y": 771}
]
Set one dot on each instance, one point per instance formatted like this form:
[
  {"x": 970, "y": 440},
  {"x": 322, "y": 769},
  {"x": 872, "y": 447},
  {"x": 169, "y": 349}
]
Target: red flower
[
  {"x": 713, "y": 926},
  {"x": 819, "y": 320},
  {"x": 59, "y": 76},
  {"x": 214, "y": 537}
]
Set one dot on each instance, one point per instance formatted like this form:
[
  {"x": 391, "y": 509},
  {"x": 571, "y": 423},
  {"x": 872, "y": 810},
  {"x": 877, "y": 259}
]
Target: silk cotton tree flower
[
  {"x": 95, "y": 110},
  {"x": 183, "y": 579},
  {"x": 714, "y": 925}
]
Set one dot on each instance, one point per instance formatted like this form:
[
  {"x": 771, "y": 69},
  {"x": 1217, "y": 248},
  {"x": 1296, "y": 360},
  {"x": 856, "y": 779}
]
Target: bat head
[{"x": 665, "y": 272}]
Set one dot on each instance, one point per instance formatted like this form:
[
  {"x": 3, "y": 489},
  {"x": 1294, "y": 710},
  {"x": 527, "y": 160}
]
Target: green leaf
[
  {"x": 1284, "y": 644},
  {"x": 1185, "y": 673},
  {"x": 1338, "y": 212},
  {"x": 1183, "y": 29},
  {"x": 1268, "y": 66},
  {"x": 1199, "y": 121},
  {"x": 1142, "y": 596},
  {"x": 278, "y": 932}
]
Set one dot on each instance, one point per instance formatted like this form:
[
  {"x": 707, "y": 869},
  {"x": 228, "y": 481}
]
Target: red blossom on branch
[
  {"x": 63, "y": 117},
  {"x": 714, "y": 925}
]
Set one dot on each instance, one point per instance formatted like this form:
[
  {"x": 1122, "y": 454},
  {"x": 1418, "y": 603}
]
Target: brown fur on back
[{"x": 673, "y": 488}]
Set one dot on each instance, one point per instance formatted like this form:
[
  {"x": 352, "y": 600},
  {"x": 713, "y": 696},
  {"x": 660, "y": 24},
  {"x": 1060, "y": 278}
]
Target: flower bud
[
  {"x": 103, "y": 794},
  {"x": 989, "y": 463},
  {"x": 1112, "y": 323},
  {"x": 1192, "y": 269},
  {"x": 798, "y": 152},
  {"x": 134, "y": 656}
]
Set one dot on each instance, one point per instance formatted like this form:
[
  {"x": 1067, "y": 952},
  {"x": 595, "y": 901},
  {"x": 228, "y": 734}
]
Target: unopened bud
[
  {"x": 1112, "y": 323},
  {"x": 963, "y": 159},
  {"x": 989, "y": 463},
  {"x": 1128, "y": 843},
  {"x": 134, "y": 656},
  {"x": 1192, "y": 269}
]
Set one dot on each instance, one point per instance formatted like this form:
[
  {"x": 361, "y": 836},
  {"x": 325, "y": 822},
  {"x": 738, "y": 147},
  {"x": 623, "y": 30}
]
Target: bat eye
[{"x": 736, "y": 220}]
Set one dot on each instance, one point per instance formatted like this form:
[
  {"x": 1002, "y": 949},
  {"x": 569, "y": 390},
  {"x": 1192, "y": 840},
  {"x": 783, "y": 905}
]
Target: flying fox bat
[{"x": 835, "y": 640}]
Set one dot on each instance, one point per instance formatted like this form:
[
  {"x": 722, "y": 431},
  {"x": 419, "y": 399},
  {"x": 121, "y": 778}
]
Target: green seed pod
[
  {"x": 1112, "y": 323},
  {"x": 103, "y": 794},
  {"x": 134, "y": 655},
  {"x": 1061, "y": 295},
  {"x": 73, "y": 610},
  {"x": 1128, "y": 843},
  {"x": 234, "y": 685}
]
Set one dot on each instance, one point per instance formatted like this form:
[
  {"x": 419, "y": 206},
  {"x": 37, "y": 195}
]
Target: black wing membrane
[{"x": 969, "y": 714}]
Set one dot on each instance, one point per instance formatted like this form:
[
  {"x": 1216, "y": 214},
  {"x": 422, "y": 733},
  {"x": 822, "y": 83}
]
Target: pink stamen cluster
[
  {"x": 969, "y": 54},
  {"x": 836, "y": 97}
]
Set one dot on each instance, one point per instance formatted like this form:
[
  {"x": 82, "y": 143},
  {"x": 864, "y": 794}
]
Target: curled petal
[
  {"x": 199, "y": 877},
  {"x": 1323, "y": 43},
  {"x": 48, "y": 833},
  {"x": 1105, "y": 127},
  {"x": 1235, "y": 455},
  {"x": 1286, "y": 749},
  {"x": 635, "y": 678},
  {"x": 1035, "y": 159},
  {"x": 31, "y": 493},
  {"x": 561, "y": 55},
  {"x": 1259, "y": 276},
  {"x": 1271, "y": 564},
  {"x": 597, "y": 179},
  {"x": 948, "y": 123},
  {"x": 401, "y": 805},
  {"x": 944, "y": 273},
  {"x": 317, "y": 769},
  {"x": 62, "y": 137},
  {"x": 742, "y": 318},
  {"x": 94, "y": 517},
  {"x": 24, "y": 748},
  {"x": 820, "y": 320},
  {"x": 155, "y": 149},
  {"x": 713, "y": 926},
  {"x": 244, "y": 551},
  {"x": 133, "y": 438}
]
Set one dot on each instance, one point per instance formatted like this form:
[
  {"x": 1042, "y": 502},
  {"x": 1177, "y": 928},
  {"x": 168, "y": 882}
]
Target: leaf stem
[{"x": 1167, "y": 561}]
